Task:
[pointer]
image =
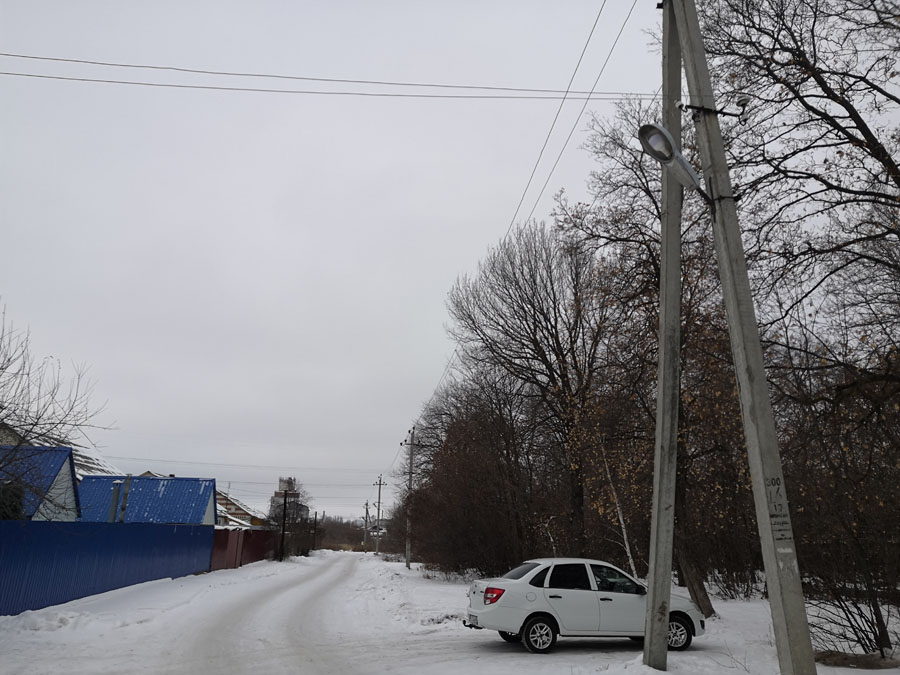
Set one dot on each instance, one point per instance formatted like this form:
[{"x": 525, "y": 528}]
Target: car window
[
  {"x": 520, "y": 571},
  {"x": 613, "y": 581},
  {"x": 539, "y": 578},
  {"x": 570, "y": 575}
]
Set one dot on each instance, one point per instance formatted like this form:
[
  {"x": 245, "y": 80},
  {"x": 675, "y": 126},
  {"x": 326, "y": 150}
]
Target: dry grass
[{"x": 861, "y": 661}]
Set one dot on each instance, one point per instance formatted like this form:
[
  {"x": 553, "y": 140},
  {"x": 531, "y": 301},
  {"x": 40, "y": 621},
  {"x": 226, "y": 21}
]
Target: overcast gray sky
[{"x": 257, "y": 280}]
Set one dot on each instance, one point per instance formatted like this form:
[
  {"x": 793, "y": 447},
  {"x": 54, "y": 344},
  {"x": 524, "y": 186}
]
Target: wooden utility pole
[
  {"x": 792, "y": 641},
  {"x": 662, "y": 525},
  {"x": 283, "y": 523},
  {"x": 126, "y": 489},
  {"x": 412, "y": 442},
  {"x": 366, "y": 530},
  {"x": 114, "y": 503},
  {"x": 316, "y": 526},
  {"x": 380, "y": 483}
]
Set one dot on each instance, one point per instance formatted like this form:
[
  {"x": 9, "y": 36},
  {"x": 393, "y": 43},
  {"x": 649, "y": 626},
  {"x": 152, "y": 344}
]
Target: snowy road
[
  {"x": 278, "y": 629},
  {"x": 334, "y": 614}
]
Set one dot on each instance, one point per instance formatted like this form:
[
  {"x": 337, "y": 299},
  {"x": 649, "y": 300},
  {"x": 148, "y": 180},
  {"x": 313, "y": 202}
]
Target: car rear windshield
[{"x": 520, "y": 571}]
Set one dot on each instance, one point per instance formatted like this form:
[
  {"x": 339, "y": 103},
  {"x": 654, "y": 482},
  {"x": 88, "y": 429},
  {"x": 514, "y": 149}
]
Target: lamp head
[{"x": 659, "y": 144}]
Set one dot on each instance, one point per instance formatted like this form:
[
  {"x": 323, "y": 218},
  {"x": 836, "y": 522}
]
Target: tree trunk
[
  {"x": 882, "y": 636},
  {"x": 694, "y": 582},
  {"x": 576, "y": 513},
  {"x": 615, "y": 495}
]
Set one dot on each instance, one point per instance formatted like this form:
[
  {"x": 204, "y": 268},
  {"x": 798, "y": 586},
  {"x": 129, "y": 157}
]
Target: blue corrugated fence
[{"x": 47, "y": 563}]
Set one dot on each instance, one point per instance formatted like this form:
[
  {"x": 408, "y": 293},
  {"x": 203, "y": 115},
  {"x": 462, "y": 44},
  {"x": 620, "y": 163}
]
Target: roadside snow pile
[
  {"x": 330, "y": 614},
  {"x": 407, "y": 601}
]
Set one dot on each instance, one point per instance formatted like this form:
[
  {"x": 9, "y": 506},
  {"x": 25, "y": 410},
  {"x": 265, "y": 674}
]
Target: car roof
[{"x": 543, "y": 561}]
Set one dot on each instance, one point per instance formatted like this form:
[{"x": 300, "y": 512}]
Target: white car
[{"x": 546, "y": 597}]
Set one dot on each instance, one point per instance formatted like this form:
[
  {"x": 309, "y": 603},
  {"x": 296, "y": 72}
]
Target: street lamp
[{"x": 659, "y": 144}]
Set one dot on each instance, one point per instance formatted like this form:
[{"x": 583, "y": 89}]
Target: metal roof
[
  {"x": 35, "y": 468},
  {"x": 150, "y": 499},
  {"x": 88, "y": 462}
]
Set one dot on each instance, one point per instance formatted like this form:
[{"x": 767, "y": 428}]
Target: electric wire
[
  {"x": 312, "y": 92},
  {"x": 238, "y": 466},
  {"x": 555, "y": 118},
  {"x": 526, "y": 94},
  {"x": 652, "y": 102},
  {"x": 304, "y": 78},
  {"x": 566, "y": 96},
  {"x": 581, "y": 112},
  {"x": 546, "y": 140}
]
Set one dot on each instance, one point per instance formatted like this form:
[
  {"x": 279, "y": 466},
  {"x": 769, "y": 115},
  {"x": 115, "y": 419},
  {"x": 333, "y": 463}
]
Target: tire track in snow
[{"x": 277, "y": 630}]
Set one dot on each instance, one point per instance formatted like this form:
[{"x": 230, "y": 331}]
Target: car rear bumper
[{"x": 507, "y": 619}]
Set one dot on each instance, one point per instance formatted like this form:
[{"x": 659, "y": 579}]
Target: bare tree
[
  {"x": 815, "y": 159},
  {"x": 538, "y": 309},
  {"x": 40, "y": 405}
]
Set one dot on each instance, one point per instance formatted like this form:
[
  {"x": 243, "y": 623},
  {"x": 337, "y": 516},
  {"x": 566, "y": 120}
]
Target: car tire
[
  {"x": 680, "y": 634},
  {"x": 510, "y": 637},
  {"x": 539, "y": 634}
]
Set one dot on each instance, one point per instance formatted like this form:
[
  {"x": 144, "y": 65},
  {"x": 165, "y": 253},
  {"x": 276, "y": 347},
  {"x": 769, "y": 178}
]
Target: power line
[
  {"x": 313, "y": 92},
  {"x": 583, "y": 108},
  {"x": 565, "y": 145},
  {"x": 652, "y": 102},
  {"x": 555, "y": 118},
  {"x": 566, "y": 96},
  {"x": 240, "y": 466},
  {"x": 304, "y": 483},
  {"x": 304, "y": 78}
]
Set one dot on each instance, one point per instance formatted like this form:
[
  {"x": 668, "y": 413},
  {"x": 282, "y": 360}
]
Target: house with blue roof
[
  {"x": 38, "y": 483},
  {"x": 148, "y": 499}
]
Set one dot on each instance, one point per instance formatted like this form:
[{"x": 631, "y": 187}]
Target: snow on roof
[
  {"x": 89, "y": 462},
  {"x": 241, "y": 505},
  {"x": 35, "y": 468},
  {"x": 150, "y": 499},
  {"x": 225, "y": 519}
]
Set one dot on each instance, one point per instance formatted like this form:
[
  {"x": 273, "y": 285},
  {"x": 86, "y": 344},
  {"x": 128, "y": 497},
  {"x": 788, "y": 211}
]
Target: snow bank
[{"x": 335, "y": 613}]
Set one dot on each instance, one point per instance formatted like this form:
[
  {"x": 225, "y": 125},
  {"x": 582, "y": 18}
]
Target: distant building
[
  {"x": 38, "y": 483},
  {"x": 377, "y": 528},
  {"x": 150, "y": 499},
  {"x": 234, "y": 512},
  {"x": 287, "y": 499}
]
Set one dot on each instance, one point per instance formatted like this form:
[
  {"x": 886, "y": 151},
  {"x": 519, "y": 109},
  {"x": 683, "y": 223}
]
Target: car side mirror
[{"x": 642, "y": 590}]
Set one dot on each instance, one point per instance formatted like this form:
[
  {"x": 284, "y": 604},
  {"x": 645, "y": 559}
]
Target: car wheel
[
  {"x": 539, "y": 635},
  {"x": 510, "y": 637},
  {"x": 679, "y": 637}
]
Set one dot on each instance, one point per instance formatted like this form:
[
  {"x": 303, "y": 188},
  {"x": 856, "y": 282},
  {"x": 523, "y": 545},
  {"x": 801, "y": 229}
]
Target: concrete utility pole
[
  {"x": 412, "y": 442},
  {"x": 380, "y": 483},
  {"x": 795, "y": 655},
  {"x": 662, "y": 526}
]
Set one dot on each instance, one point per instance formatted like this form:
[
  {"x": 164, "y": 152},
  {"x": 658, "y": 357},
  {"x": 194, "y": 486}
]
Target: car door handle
[
  {"x": 605, "y": 599},
  {"x": 558, "y": 597}
]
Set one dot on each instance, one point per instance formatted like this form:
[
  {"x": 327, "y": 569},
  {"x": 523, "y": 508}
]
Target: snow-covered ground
[{"x": 333, "y": 613}]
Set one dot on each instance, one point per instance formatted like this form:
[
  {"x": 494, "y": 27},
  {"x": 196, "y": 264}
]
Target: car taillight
[{"x": 492, "y": 595}]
